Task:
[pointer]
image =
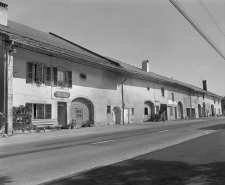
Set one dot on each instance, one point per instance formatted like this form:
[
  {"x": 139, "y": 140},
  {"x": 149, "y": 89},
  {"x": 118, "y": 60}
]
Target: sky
[{"x": 135, "y": 30}]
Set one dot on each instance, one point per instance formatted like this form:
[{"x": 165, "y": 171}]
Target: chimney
[
  {"x": 3, "y": 14},
  {"x": 204, "y": 85},
  {"x": 145, "y": 65}
]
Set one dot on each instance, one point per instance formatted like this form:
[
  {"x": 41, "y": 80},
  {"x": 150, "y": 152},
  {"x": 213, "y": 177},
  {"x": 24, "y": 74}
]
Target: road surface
[{"x": 43, "y": 158}]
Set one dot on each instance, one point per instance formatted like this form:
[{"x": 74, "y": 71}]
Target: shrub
[{"x": 2, "y": 120}]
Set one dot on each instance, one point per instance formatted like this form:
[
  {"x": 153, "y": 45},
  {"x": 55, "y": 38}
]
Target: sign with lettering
[{"x": 60, "y": 94}]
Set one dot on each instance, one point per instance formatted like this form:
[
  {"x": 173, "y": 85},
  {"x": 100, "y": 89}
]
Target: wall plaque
[{"x": 60, "y": 94}]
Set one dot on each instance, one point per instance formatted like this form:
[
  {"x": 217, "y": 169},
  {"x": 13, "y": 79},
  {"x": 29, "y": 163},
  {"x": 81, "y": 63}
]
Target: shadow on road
[
  {"x": 214, "y": 127},
  {"x": 5, "y": 180},
  {"x": 147, "y": 172}
]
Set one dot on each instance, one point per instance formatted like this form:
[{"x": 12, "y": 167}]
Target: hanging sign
[{"x": 60, "y": 94}]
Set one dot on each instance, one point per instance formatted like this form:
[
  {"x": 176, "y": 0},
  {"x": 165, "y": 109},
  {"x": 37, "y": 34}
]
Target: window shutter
[
  {"x": 66, "y": 78},
  {"x": 44, "y": 74},
  {"x": 70, "y": 78},
  {"x": 48, "y": 111},
  {"x": 48, "y": 76},
  {"x": 54, "y": 77},
  {"x": 29, "y": 72}
]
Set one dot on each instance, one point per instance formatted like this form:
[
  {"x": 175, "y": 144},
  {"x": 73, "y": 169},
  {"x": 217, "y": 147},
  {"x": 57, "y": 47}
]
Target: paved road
[
  {"x": 199, "y": 161},
  {"x": 38, "y": 158}
]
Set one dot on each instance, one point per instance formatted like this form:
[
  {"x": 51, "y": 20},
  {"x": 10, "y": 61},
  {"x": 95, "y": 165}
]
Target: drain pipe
[{"x": 122, "y": 92}]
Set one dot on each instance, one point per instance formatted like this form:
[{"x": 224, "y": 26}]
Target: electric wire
[
  {"x": 182, "y": 10},
  {"x": 210, "y": 16}
]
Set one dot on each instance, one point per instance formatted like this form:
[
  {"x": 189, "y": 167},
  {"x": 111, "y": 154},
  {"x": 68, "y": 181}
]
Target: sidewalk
[{"x": 19, "y": 136}]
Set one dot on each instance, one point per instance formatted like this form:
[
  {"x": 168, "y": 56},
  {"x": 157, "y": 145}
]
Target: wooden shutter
[
  {"x": 48, "y": 111},
  {"x": 70, "y": 79},
  {"x": 66, "y": 78},
  {"x": 54, "y": 76},
  {"x": 48, "y": 79},
  {"x": 44, "y": 74},
  {"x": 29, "y": 72}
]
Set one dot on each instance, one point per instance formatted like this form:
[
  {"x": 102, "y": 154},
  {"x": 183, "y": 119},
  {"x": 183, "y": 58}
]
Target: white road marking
[
  {"x": 102, "y": 142},
  {"x": 163, "y": 130},
  {"x": 193, "y": 125}
]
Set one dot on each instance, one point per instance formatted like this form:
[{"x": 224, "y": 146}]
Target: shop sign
[{"x": 60, "y": 94}]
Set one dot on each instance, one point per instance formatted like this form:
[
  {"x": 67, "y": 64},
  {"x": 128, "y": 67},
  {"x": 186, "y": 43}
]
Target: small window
[
  {"x": 83, "y": 76},
  {"x": 79, "y": 113},
  {"x": 132, "y": 110},
  {"x": 146, "y": 111},
  {"x": 172, "y": 94},
  {"x": 214, "y": 101},
  {"x": 148, "y": 88},
  {"x": 171, "y": 111},
  {"x": 163, "y": 92},
  {"x": 108, "y": 109}
]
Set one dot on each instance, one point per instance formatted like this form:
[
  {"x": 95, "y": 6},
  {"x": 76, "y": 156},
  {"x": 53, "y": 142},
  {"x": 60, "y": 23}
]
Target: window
[
  {"x": 172, "y": 95},
  {"x": 83, "y": 76},
  {"x": 41, "y": 74},
  {"x": 79, "y": 113},
  {"x": 41, "y": 111},
  {"x": 108, "y": 109},
  {"x": 163, "y": 92},
  {"x": 61, "y": 78},
  {"x": 214, "y": 101},
  {"x": 171, "y": 111},
  {"x": 218, "y": 111},
  {"x": 146, "y": 111},
  {"x": 132, "y": 110},
  {"x": 148, "y": 88}
]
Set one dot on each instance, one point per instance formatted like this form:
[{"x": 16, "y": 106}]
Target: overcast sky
[{"x": 136, "y": 30}]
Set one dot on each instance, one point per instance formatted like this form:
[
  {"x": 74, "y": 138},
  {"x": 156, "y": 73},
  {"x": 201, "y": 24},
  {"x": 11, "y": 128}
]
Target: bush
[
  {"x": 2, "y": 120},
  {"x": 22, "y": 118}
]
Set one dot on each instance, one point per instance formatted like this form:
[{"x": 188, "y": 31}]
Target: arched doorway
[
  {"x": 81, "y": 111},
  {"x": 179, "y": 110},
  {"x": 212, "y": 110},
  {"x": 149, "y": 111},
  {"x": 203, "y": 109},
  {"x": 199, "y": 110},
  {"x": 116, "y": 115}
]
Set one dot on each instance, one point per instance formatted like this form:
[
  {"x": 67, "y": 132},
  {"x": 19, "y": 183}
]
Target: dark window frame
[
  {"x": 163, "y": 92},
  {"x": 108, "y": 109}
]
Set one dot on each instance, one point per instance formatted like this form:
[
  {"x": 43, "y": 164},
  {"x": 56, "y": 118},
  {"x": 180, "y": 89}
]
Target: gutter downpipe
[
  {"x": 191, "y": 104},
  {"x": 122, "y": 92},
  {"x": 6, "y": 91}
]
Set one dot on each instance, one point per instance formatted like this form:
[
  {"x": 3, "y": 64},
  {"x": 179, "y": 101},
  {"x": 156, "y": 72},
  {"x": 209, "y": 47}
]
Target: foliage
[
  {"x": 2, "y": 120},
  {"x": 22, "y": 117}
]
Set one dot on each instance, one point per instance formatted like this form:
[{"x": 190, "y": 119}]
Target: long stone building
[{"x": 66, "y": 82}]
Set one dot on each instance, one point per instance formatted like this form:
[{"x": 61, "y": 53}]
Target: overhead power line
[
  {"x": 210, "y": 16},
  {"x": 182, "y": 10}
]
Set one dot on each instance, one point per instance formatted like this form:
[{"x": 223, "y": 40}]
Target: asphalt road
[
  {"x": 43, "y": 158},
  {"x": 199, "y": 161}
]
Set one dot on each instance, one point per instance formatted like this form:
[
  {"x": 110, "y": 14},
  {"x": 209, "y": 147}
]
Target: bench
[{"x": 44, "y": 124}]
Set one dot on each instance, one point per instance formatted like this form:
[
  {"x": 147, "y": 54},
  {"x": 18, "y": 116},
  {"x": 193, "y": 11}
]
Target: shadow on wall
[{"x": 155, "y": 172}]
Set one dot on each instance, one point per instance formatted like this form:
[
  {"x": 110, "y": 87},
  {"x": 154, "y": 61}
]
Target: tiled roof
[
  {"x": 53, "y": 40},
  {"x": 71, "y": 48},
  {"x": 163, "y": 78}
]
